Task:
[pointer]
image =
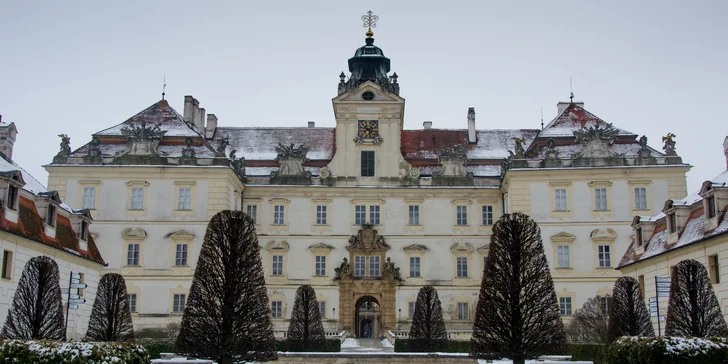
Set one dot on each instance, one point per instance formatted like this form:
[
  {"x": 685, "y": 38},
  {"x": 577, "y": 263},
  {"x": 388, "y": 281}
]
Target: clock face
[{"x": 368, "y": 129}]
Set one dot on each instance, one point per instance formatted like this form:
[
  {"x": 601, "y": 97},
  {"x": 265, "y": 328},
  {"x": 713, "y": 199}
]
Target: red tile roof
[{"x": 30, "y": 226}]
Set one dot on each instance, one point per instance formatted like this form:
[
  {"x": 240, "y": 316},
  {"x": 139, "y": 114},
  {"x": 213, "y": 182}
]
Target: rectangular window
[
  {"x": 414, "y": 215},
  {"x": 487, "y": 215},
  {"x": 276, "y": 309},
  {"x": 277, "y": 265},
  {"x": 178, "y": 303},
  {"x": 180, "y": 259},
  {"x": 461, "y": 215},
  {"x": 414, "y": 267},
  {"x": 600, "y": 199},
  {"x": 461, "y": 269},
  {"x": 563, "y": 256},
  {"x": 184, "y": 199},
  {"x": 360, "y": 266},
  {"x": 89, "y": 198},
  {"x": 321, "y": 215},
  {"x": 252, "y": 211},
  {"x": 322, "y": 309},
  {"x": 367, "y": 163},
  {"x": 132, "y": 255},
  {"x": 7, "y": 264},
  {"x": 411, "y": 310},
  {"x": 360, "y": 214},
  {"x": 605, "y": 256},
  {"x": 462, "y": 310},
  {"x": 711, "y": 207},
  {"x": 638, "y": 236},
  {"x": 560, "y": 199},
  {"x": 672, "y": 223},
  {"x": 137, "y": 198},
  {"x": 374, "y": 266},
  {"x": 640, "y": 198},
  {"x": 51, "y": 219},
  {"x": 12, "y": 196},
  {"x": 279, "y": 215},
  {"x": 84, "y": 230},
  {"x": 132, "y": 302},
  {"x": 604, "y": 303},
  {"x": 374, "y": 215},
  {"x": 641, "y": 281},
  {"x": 565, "y": 306},
  {"x": 320, "y": 265},
  {"x": 714, "y": 269}
]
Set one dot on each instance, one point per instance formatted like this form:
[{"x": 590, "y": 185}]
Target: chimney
[
  {"x": 200, "y": 122},
  {"x": 8, "y": 132},
  {"x": 189, "y": 109},
  {"x": 725, "y": 151},
  {"x": 211, "y": 126},
  {"x": 561, "y": 106},
  {"x": 427, "y": 125},
  {"x": 472, "y": 137},
  {"x": 311, "y": 124}
]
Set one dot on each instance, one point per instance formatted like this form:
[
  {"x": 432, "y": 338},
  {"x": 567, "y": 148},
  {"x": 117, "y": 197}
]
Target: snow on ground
[
  {"x": 386, "y": 343},
  {"x": 350, "y": 343}
]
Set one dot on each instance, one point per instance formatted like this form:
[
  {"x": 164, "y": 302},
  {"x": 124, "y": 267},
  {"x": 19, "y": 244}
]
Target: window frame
[
  {"x": 375, "y": 266},
  {"x": 640, "y": 198},
  {"x": 559, "y": 198},
  {"x": 320, "y": 266},
  {"x": 413, "y": 215},
  {"x": 486, "y": 215},
  {"x": 601, "y": 199},
  {"x": 254, "y": 209},
  {"x": 7, "y": 265},
  {"x": 368, "y": 163},
  {"x": 321, "y": 215},
  {"x": 51, "y": 215},
  {"x": 132, "y": 302},
  {"x": 184, "y": 203},
  {"x": 463, "y": 311},
  {"x": 279, "y": 214},
  {"x": 560, "y": 250},
  {"x": 181, "y": 256},
  {"x": 461, "y": 267},
  {"x": 12, "y": 196},
  {"x": 137, "y": 205},
  {"x": 461, "y": 215},
  {"x": 277, "y": 265},
  {"x": 179, "y": 302},
  {"x": 415, "y": 266},
  {"x": 566, "y": 306},
  {"x": 276, "y": 312},
  {"x": 91, "y": 196},
  {"x": 134, "y": 259},
  {"x": 604, "y": 255}
]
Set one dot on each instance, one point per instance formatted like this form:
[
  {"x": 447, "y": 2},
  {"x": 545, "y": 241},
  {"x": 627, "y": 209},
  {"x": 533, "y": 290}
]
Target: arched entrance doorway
[{"x": 367, "y": 318}]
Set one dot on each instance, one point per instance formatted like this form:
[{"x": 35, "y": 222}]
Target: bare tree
[
  {"x": 517, "y": 315},
  {"x": 628, "y": 314},
  {"x": 227, "y": 318},
  {"x": 427, "y": 332},
  {"x": 693, "y": 310},
  {"x": 37, "y": 310},
  {"x": 110, "y": 318},
  {"x": 305, "y": 331},
  {"x": 590, "y": 323}
]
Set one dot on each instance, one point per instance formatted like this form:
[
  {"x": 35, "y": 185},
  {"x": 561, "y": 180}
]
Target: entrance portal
[{"x": 367, "y": 318}]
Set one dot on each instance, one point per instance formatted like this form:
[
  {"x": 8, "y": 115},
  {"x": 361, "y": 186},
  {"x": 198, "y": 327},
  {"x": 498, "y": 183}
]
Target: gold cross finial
[{"x": 370, "y": 21}]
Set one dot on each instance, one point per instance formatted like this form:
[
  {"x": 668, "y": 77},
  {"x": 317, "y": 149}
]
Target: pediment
[
  {"x": 707, "y": 186},
  {"x": 485, "y": 249},
  {"x": 603, "y": 234},
  {"x": 563, "y": 237},
  {"x": 320, "y": 247},
  {"x": 379, "y": 94},
  {"x": 461, "y": 247},
  {"x": 134, "y": 234},
  {"x": 415, "y": 248},
  {"x": 181, "y": 235},
  {"x": 277, "y": 245}
]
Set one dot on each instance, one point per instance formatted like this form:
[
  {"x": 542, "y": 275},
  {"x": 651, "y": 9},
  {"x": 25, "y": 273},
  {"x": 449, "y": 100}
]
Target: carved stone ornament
[
  {"x": 222, "y": 144},
  {"x": 644, "y": 151},
  {"x": 367, "y": 239},
  {"x": 368, "y": 132},
  {"x": 188, "y": 154},
  {"x": 343, "y": 271},
  {"x": 406, "y": 170},
  {"x": 65, "y": 145},
  {"x": 390, "y": 271},
  {"x": 142, "y": 140},
  {"x": 93, "y": 153},
  {"x": 551, "y": 152},
  {"x": 596, "y": 141},
  {"x": 291, "y": 159},
  {"x": 453, "y": 160},
  {"x": 669, "y": 145},
  {"x": 324, "y": 172},
  {"x": 518, "y": 148}
]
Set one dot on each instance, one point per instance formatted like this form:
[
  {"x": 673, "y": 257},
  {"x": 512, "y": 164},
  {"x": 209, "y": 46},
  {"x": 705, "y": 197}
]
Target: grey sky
[{"x": 77, "y": 67}]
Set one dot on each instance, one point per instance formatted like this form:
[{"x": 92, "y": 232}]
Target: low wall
[{"x": 354, "y": 358}]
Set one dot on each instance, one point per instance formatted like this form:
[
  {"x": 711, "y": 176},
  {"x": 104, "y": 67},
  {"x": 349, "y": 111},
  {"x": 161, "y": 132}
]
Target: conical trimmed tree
[
  {"x": 590, "y": 323},
  {"x": 517, "y": 315},
  {"x": 305, "y": 331},
  {"x": 427, "y": 332},
  {"x": 110, "y": 318},
  {"x": 628, "y": 315},
  {"x": 37, "y": 310},
  {"x": 693, "y": 310},
  {"x": 227, "y": 318}
]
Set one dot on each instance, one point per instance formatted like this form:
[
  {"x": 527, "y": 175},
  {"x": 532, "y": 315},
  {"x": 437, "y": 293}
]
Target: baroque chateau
[{"x": 366, "y": 212}]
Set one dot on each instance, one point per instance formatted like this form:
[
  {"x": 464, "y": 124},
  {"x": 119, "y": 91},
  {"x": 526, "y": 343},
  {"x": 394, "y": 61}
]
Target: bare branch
[
  {"x": 110, "y": 318},
  {"x": 427, "y": 332},
  {"x": 628, "y": 314},
  {"x": 305, "y": 331}
]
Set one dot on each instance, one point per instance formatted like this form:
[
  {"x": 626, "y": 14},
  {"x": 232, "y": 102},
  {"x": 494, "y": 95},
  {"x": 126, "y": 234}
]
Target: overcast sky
[{"x": 77, "y": 67}]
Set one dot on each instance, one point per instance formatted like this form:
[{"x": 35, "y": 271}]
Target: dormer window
[
  {"x": 84, "y": 230},
  {"x": 672, "y": 223},
  {"x": 12, "y": 196},
  {"x": 710, "y": 202},
  {"x": 638, "y": 236},
  {"x": 51, "y": 218}
]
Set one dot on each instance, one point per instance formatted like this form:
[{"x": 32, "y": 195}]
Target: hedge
[
  {"x": 332, "y": 346},
  {"x": 155, "y": 347},
  {"x": 453, "y": 346},
  {"x": 52, "y": 352},
  {"x": 596, "y": 353},
  {"x": 667, "y": 350}
]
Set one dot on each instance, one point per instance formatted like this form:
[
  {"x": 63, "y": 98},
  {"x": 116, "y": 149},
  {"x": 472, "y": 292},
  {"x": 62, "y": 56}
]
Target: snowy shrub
[
  {"x": 667, "y": 350},
  {"x": 52, "y": 352}
]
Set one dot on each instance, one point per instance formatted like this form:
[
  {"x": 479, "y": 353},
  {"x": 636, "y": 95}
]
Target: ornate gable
[{"x": 367, "y": 239}]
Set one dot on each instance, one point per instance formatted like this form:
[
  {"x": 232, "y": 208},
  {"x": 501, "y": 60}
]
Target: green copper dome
[{"x": 369, "y": 63}]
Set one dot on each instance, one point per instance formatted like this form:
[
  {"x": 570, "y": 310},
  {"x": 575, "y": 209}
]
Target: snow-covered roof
[
  {"x": 490, "y": 144},
  {"x": 571, "y": 119},
  {"x": 261, "y": 143},
  {"x": 32, "y": 185},
  {"x": 160, "y": 114}
]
